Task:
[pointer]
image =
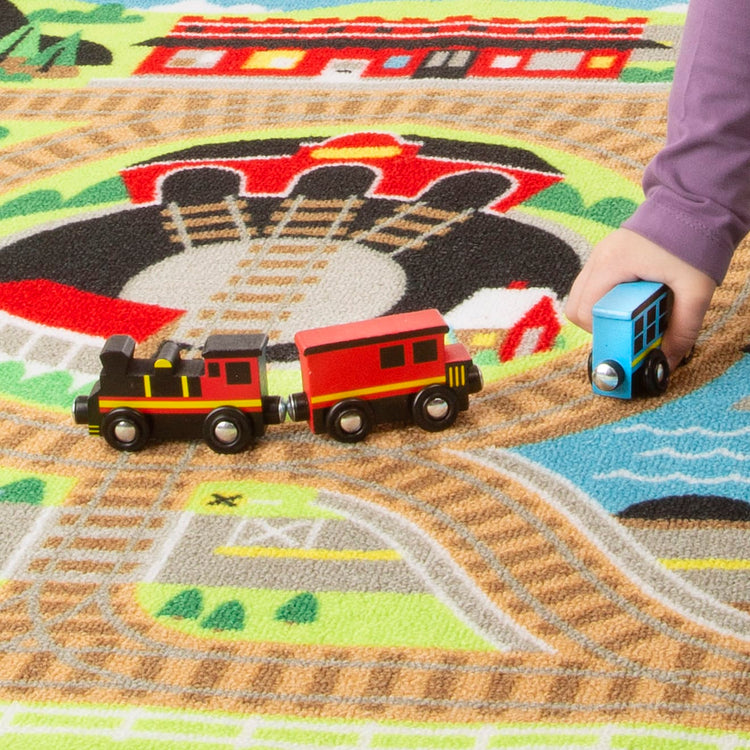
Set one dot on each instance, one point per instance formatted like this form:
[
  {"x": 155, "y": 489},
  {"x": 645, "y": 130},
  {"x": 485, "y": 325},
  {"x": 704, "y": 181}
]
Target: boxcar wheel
[
  {"x": 227, "y": 430},
  {"x": 656, "y": 373},
  {"x": 349, "y": 421},
  {"x": 435, "y": 408},
  {"x": 126, "y": 429}
]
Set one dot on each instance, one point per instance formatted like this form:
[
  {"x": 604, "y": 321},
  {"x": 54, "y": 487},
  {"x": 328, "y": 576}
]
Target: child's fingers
[
  {"x": 691, "y": 300},
  {"x": 603, "y": 271}
]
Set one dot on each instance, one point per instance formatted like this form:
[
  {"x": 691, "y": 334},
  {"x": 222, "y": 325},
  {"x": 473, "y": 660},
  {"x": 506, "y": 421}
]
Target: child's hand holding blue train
[{"x": 626, "y": 256}]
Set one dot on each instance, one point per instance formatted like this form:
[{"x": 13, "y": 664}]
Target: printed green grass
[
  {"x": 35, "y": 489},
  {"x": 342, "y": 618},
  {"x": 68, "y": 726}
]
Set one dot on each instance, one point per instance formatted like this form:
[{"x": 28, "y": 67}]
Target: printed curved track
[
  {"x": 619, "y": 130},
  {"x": 70, "y": 627}
]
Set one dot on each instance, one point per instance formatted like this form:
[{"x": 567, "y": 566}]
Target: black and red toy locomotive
[
  {"x": 221, "y": 397},
  {"x": 354, "y": 376}
]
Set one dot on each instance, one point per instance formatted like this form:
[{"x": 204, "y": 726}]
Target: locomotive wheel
[
  {"x": 655, "y": 377},
  {"x": 349, "y": 421},
  {"x": 126, "y": 429},
  {"x": 227, "y": 430},
  {"x": 435, "y": 408}
]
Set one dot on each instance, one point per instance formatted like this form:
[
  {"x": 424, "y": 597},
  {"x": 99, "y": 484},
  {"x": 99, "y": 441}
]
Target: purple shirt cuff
[{"x": 684, "y": 234}]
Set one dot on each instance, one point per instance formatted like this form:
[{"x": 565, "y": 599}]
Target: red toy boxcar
[{"x": 393, "y": 368}]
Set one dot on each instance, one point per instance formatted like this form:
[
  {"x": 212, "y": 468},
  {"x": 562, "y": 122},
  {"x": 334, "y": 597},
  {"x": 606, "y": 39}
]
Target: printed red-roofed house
[{"x": 517, "y": 321}]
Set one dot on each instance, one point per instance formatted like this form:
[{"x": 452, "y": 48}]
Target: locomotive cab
[{"x": 235, "y": 375}]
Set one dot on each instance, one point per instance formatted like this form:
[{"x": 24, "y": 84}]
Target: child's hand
[{"x": 626, "y": 256}]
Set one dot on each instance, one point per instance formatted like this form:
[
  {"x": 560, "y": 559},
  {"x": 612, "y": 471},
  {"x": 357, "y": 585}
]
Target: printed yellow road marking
[
  {"x": 705, "y": 563},
  {"x": 312, "y": 553}
]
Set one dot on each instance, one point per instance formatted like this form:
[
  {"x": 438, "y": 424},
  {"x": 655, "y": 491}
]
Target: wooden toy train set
[{"x": 354, "y": 376}]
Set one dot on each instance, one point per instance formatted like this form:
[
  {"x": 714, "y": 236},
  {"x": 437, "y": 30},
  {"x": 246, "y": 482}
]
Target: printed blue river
[{"x": 696, "y": 445}]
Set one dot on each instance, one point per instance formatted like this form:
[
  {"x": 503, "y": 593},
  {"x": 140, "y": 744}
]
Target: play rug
[{"x": 555, "y": 569}]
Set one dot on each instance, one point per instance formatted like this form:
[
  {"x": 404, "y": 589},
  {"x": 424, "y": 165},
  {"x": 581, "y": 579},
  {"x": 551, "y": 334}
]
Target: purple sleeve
[{"x": 697, "y": 188}]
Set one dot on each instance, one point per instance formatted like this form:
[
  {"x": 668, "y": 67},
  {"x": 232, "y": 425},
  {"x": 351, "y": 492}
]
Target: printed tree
[
  {"x": 299, "y": 610},
  {"x": 227, "y": 616},
  {"x": 29, "y": 490},
  {"x": 25, "y": 43},
  {"x": 63, "y": 52},
  {"x": 187, "y": 605},
  {"x": 568, "y": 200},
  {"x": 16, "y": 26}
]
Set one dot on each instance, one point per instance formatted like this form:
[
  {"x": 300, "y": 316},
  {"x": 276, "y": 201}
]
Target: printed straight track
[{"x": 68, "y": 623}]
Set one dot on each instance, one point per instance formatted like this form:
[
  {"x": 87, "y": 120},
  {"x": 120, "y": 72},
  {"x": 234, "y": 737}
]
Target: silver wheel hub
[
  {"x": 605, "y": 377},
  {"x": 437, "y": 408},
  {"x": 125, "y": 431},
  {"x": 226, "y": 432},
  {"x": 351, "y": 422}
]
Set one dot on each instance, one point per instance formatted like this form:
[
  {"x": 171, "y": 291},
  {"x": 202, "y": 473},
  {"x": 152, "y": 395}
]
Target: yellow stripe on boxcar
[{"x": 376, "y": 390}]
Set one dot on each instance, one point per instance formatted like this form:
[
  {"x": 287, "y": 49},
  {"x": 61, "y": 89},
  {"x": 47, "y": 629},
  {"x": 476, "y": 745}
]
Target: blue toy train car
[{"x": 628, "y": 327}]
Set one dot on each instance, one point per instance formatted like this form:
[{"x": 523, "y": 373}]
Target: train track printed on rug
[{"x": 556, "y": 567}]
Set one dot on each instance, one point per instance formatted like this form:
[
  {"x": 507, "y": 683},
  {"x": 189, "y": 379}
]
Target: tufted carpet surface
[{"x": 555, "y": 569}]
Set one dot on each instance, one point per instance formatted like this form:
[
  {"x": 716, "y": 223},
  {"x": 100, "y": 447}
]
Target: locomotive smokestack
[{"x": 117, "y": 354}]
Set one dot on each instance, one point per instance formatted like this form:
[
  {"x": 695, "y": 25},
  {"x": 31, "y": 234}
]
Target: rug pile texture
[{"x": 555, "y": 569}]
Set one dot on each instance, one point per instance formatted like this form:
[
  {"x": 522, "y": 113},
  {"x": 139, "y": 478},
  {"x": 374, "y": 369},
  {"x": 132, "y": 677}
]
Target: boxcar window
[
  {"x": 638, "y": 340},
  {"x": 647, "y": 327},
  {"x": 425, "y": 351},
  {"x": 214, "y": 371},
  {"x": 392, "y": 356},
  {"x": 652, "y": 332},
  {"x": 663, "y": 312},
  {"x": 238, "y": 373}
]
